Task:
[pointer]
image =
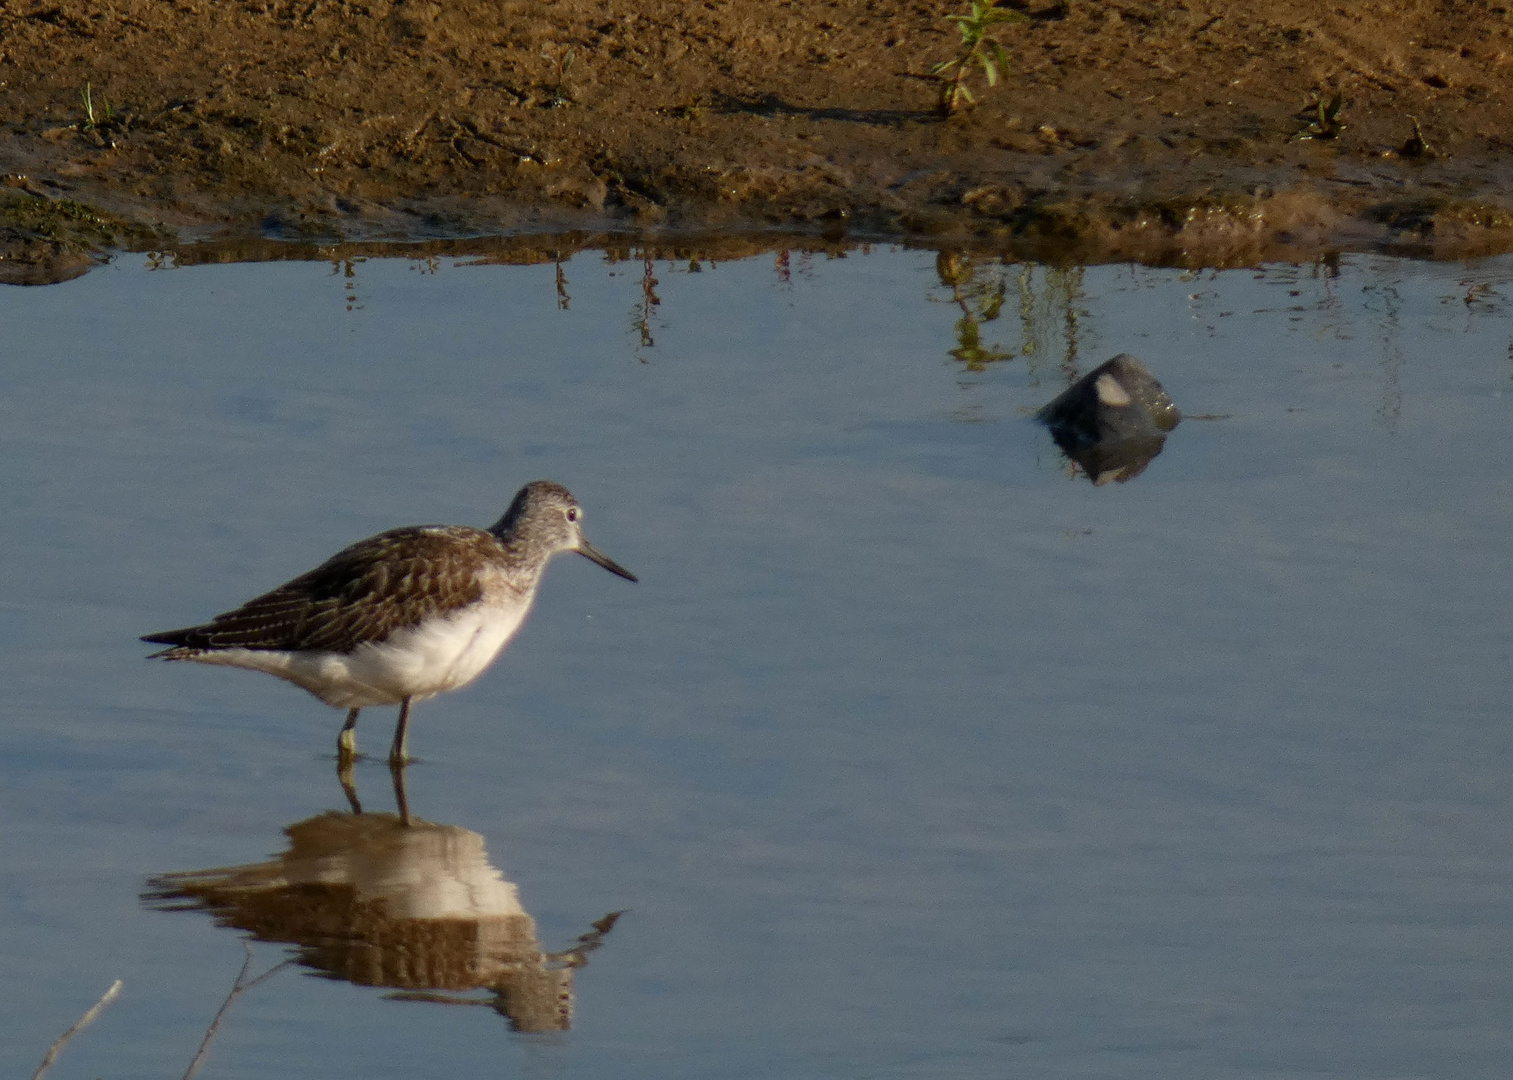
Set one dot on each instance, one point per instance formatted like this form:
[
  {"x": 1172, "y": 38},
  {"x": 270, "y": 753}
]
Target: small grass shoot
[
  {"x": 1322, "y": 118},
  {"x": 93, "y": 121},
  {"x": 559, "y": 93}
]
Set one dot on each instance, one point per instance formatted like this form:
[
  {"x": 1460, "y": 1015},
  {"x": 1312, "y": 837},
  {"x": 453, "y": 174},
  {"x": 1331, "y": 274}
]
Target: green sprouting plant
[
  {"x": 93, "y": 122},
  {"x": 980, "y": 51},
  {"x": 1323, "y": 118}
]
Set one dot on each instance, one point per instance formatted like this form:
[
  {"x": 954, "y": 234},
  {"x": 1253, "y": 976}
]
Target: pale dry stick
[
  {"x": 79, "y": 1025},
  {"x": 418, "y": 128},
  {"x": 238, "y": 988}
]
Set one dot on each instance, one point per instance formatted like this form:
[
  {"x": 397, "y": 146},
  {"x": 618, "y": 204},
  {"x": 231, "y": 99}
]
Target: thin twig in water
[
  {"x": 79, "y": 1025},
  {"x": 238, "y": 988}
]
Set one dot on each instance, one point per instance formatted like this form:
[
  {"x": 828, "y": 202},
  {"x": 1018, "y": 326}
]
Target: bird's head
[{"x": 545, "y": 515}]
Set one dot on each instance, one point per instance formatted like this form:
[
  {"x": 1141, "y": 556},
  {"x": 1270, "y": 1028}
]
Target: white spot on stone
[{"x": 1110, "y": 392}]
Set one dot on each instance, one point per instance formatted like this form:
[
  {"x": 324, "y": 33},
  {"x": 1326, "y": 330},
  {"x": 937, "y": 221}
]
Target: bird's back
[{"x": 392, "y": 581}]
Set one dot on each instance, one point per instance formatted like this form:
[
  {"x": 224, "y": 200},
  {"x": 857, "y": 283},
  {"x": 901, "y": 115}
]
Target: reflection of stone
[
  {"x": 377, "y": 902},
  {"x": 1113, "y": 420}
]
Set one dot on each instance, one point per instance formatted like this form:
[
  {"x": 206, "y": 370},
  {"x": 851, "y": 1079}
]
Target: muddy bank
[{"x": 1204, "y": 132}]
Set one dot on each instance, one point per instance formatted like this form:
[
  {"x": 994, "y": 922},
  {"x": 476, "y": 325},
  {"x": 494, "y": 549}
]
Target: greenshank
[{"x": 401, "y": 616}]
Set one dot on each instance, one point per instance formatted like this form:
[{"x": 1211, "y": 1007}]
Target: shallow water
[{"x": 912, "y": 754}]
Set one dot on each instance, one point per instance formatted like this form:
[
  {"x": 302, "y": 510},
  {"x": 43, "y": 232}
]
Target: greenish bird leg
[
  {"x": 398, "y": 754},
  {"x": 346, "y": 742}
]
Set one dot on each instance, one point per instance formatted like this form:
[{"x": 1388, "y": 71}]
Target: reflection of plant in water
[
  {"x": 641, "y": 313},
  {"x": 789, "y": 264},
  {"x": 1069, "y": 284},
  {"x": 1054, "y": 312},
  {"x": 1389, "y": 412},
  {"x": 564, "y": 301},
  {"x": 1024, "y": 283},
  {"x": 347, "y": 268},
  {"x": 1478, "y": 298},
  {"x": 1327, "y": 269},
  {"x": 979, "y": 291}
]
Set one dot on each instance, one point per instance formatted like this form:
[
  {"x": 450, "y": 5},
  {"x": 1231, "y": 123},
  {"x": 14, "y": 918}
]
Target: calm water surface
[{"x": 912, "y": 754}]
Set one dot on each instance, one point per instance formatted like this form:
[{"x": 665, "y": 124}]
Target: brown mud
[{"x": 1170, "y": 132}]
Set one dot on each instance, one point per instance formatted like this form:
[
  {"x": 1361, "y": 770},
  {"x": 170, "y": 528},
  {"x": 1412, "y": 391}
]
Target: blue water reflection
[{"x": 913, "y": 754}]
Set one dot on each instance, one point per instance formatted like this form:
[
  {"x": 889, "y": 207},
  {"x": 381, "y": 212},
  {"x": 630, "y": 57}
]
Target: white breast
[{"x": 438, "y": 655}]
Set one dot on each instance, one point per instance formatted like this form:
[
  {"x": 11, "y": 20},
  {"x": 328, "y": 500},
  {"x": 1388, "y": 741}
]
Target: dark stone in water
[{"x": 1113, "y": 420}]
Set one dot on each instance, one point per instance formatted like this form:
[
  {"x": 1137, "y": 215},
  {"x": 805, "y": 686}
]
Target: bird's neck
[{"x": 522, "y": 563}]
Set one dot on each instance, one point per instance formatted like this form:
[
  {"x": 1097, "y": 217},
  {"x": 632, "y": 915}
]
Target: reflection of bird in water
[
  {"x": 377, "y": 902},
  {"x": 401, "y": 616}
]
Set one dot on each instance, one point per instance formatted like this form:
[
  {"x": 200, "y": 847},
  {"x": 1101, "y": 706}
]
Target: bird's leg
[
  {"x": 346, "y": 742},
  {"x": 398, "y": 756}
]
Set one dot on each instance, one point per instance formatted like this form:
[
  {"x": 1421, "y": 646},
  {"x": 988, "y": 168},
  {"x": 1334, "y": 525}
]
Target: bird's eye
[{"x": 572, "y": 513}]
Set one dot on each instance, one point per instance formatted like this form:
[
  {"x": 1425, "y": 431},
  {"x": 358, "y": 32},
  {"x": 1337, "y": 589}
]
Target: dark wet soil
[{"x": 1198, "y": 132}]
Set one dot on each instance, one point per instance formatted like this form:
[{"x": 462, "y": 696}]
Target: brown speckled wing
[{"x": 363, "y": 593}]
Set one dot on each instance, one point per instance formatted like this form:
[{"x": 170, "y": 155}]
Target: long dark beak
[{"x": 588, "y": 551}]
